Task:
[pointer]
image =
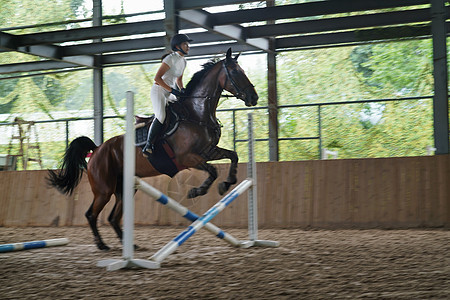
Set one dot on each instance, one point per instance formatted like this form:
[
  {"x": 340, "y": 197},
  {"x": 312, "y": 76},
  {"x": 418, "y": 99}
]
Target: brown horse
[{"x": 194, "y": 143}]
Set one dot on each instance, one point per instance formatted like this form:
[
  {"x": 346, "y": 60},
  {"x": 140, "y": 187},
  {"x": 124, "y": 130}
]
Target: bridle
[{"x": 240, "y": 94}]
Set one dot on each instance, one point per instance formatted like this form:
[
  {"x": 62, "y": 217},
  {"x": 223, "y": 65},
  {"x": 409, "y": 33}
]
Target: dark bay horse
[{"x": 194, "y": 143}]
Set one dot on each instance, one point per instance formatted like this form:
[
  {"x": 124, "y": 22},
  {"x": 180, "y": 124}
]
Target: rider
[{"x": 168, "y": 77}]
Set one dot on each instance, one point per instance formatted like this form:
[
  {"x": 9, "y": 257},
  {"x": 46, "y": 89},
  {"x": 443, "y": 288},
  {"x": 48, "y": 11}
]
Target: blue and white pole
[
  {"x": 170, "y": 247},
  {"x": 33, "y": 245},
  {"x": 183, "y": 211}
]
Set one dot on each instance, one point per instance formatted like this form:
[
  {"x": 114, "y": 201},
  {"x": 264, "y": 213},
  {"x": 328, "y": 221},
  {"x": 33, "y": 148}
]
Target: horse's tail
[{"x": 72, "y": 166}]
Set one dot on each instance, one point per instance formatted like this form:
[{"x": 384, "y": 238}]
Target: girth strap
[{"x": 171, "y": 155}]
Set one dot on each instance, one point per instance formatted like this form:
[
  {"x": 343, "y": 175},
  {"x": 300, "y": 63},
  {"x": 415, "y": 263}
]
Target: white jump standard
[
  {"x": 252, "y": 195},
  {"x": 127, "y": 260}
]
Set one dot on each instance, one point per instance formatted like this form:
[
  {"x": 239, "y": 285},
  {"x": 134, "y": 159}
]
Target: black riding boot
[{"x": 153, "y": 132}]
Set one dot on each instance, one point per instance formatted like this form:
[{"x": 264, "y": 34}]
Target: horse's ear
[
  {"x": 237, "y": 55},
  {"x": 229, "y": 54}
]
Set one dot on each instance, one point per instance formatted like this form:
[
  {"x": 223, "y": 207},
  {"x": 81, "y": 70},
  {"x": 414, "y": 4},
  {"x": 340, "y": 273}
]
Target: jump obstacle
[
  {"x": 170, "y": 247},
  {"x": 131, "y": 182},
  {"x": 183, "y": 211},
  {"x": 33, "y": 245},
  {"x": 252, "y": 194}
]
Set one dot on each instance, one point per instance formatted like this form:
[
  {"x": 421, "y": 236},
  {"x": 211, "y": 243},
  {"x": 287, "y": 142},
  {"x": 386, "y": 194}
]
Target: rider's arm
[
  {"x": 180, "y": 82},
  {"x": 159, "y": 74}
]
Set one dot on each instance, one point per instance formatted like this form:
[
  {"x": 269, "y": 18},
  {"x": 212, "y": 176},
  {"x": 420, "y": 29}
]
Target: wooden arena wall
[{"x": 403, "y": 192}]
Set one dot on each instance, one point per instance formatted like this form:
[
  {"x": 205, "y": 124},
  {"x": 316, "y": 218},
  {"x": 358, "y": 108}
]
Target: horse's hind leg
[
  {"x": 203, "y": 189},
  {"x": 117, "y": 211},
  {"x": 115, "y": 217},
  {"x": 116, "y": 214},
  {"x": 92, "y": 215}
]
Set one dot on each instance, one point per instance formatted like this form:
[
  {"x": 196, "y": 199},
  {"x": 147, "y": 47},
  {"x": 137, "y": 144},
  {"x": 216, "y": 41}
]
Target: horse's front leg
[
  {"x": 203, "y": 189},
  {"x": 220, "y": 153}
]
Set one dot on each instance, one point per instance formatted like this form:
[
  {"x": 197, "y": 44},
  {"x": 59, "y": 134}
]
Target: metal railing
[
  {"x": 318, "y": 135},
  {"x": 319, "y": 107}
]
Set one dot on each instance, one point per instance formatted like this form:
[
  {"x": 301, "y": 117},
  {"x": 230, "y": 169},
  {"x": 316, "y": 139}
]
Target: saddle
[
  {"x": 163, "y": 158},
  {"x": 175, "y": 113}
]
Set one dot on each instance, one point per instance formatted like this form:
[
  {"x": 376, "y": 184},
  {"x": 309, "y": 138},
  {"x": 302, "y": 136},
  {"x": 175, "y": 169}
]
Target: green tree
[{"x": 389, "y": 70}]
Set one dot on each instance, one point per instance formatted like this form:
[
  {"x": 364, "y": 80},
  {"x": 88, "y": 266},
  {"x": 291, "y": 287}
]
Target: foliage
[{"x": 381, "y": 71}]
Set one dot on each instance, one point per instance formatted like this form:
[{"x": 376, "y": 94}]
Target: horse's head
[{"x": 237, "y": 83}]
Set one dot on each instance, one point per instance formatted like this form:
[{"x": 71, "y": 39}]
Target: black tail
[{"x": 72, "y": 166}]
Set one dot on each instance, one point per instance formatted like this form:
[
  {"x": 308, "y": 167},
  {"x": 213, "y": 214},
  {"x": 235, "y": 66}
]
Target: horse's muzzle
[{"x": 251, "y": 99}]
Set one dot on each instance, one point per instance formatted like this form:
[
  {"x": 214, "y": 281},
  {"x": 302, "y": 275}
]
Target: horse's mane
[{"x": 197, "y": 77}]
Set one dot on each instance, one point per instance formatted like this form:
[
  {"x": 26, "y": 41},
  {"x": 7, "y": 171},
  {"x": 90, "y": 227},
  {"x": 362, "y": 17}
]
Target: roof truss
[{"x": 296, "y": 26}]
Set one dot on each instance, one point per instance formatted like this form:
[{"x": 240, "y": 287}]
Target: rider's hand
[{"x": 176, "y": 92}]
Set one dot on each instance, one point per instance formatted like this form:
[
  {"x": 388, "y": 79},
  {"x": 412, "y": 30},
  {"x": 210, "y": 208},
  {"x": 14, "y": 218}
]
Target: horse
[{"x": 194, "y": 143}]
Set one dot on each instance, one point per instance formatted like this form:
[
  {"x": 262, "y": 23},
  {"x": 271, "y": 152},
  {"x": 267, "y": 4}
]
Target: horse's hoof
[
  {"x": 223, "y": 187},
  {"x": 195, "y": 192}
]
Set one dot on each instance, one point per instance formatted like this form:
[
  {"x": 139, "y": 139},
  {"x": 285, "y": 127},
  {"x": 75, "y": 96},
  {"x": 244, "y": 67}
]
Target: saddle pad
[
  {"x": 162, "y": 161},
  {"x": 141, "y": 136}
]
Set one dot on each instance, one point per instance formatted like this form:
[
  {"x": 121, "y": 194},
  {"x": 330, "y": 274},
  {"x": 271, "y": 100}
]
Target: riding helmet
[{"x": 178, "y": 39}]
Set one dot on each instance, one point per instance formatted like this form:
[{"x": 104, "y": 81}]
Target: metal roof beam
[
  {"x": 135, "y": 44},
  {"x": 341, "y": 23},
  {"x": 354, "y": 37},
  {"x": 9, "y": 42},
  {"x": 48, "y": 51},
  {"x": 307, "y": 10},
  {"x": 89, "y": 33},
  {"x": 123, "y": 58},
  {"x": 197, "y": 4},
  {"x": 235, "y": 32},
  {"x": 35, "y": 66},
  {"x": 114, "y": 46},
  {"x": 55, "y": 53},
  {"x": 155, "y": 55},
  {"x": 259, "y": 14}
]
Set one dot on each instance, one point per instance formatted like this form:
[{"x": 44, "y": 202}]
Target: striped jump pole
[
  {"x": 170, "y": 247},
  {"x": 184, "y": 212},
  {"x": 33, "y": 245}
]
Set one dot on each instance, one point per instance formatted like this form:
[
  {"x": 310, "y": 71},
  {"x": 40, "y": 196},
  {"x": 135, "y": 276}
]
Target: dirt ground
[{"x": 315, "y": 264}]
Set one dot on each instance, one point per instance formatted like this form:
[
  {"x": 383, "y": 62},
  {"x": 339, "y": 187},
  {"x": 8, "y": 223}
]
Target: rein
[
  {"x": 204, "y": 97},
  {"x": 239, "y": 93}
]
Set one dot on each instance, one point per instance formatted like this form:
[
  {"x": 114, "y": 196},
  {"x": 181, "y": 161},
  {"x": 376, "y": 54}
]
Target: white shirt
[{"x": 177, "y": 64}]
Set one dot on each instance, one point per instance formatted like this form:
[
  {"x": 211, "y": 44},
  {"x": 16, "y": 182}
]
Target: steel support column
[
  {"x": 170, "y": 22},
  {"x": 440, "y": 100},
  {"x": 273, "y": 105},
  {"x": 272, "y": 96},
  {"x": 98, "y": 79}
]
